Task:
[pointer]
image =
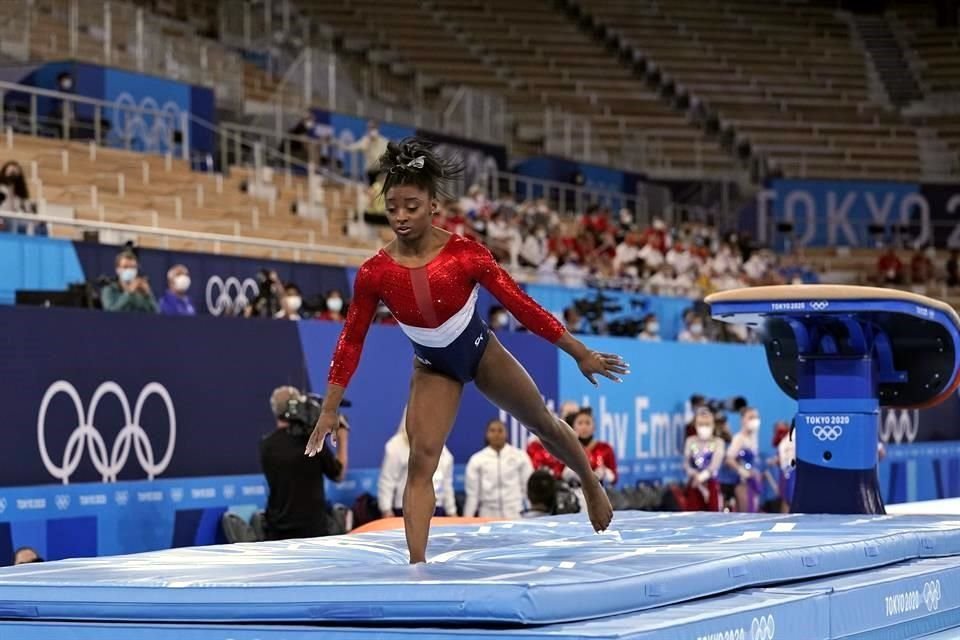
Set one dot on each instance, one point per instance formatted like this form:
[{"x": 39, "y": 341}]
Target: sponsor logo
[
  {"x": 253, "y": 490},
  {"x": 93, "y": 500},
  {"x": 121, "y": 497},
  {"x": 176, "y": 495},
  {"x": 3, "y": 505},
  {"x": 85, "y": 436},
  {"x": 229, "y": 491},
  {"x": 149, "y": 496},
  {"x": 198, "y": 494},
  {"x": 827, "y": 420},
  {"x": 819, "y": 305},
  {"x": 29, "y": 504},
  {"x": 62, "y": 501},
  {"x": 900, "y": 603},
  {"x": 726, "y": 634},
  {"x": 825, "y": 434}
]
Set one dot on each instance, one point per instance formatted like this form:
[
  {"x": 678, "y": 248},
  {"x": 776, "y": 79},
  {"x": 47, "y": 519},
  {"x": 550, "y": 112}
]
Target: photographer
[
  {"x": 296, "y": 506},
  {"x": 270, "y": 293}
]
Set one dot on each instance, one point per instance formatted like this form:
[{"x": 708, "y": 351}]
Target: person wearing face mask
[
  {"x": 175, "y": 301},
  {"x": 702, "y": 456},
  {"x": 693, "y": 332},
  {"x": 498, "y": 319},
  {"x": 890, "y": 268},
  {"x": 742, "y": 457},
  {"x": 291, "y": 303},
  {"x": 129, "y": 292},
  {"x": 651, "y": 329},
  {"x": 534, "y": 249},
  {"x": 15, "y": 197},
  {"x": 496, "y": 477},
  {"x": 335, "y": 307},
  {"x": 602, "y": 458}
]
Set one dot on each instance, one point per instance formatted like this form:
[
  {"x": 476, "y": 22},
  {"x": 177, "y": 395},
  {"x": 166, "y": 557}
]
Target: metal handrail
[{"x": 216, "y": 238}]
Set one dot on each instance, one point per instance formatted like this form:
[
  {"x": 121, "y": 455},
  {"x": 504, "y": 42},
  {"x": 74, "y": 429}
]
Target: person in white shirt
[
  {"x": 497, "y": 477},
  {"x": 693, "y": 332},
  {"x": 679, "y": 258},
  {"x": 534, "y": 249},
  {"x": 393, "y": 476},
  {"x": 651, "y": 329},
  {"x": 372, "y": 145}
]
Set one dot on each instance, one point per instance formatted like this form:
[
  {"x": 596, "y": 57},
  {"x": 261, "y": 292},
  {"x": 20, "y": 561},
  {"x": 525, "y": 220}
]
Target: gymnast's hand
[
  {"x": 327, "y": 423},
  {"x": 608, "y": 365}
]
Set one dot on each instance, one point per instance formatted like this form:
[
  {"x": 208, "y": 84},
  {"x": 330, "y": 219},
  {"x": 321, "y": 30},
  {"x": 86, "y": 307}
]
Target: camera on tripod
[
  {"x": 594, "y": 309},
  {"x": 303, "y": 412}
]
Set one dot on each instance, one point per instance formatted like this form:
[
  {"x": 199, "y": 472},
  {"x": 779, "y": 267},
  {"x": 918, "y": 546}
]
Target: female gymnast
[{"x": 428, "y": 278}]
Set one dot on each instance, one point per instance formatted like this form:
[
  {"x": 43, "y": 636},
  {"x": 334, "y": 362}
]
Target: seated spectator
[
  {"x": 290, "y": 304},
  {"x": 693, "y": 331},
  {"x": 334, "y": 311},
  {"x": 889, "y": 268},
  {"x": 129, "y": 292},
  {"x": 496, "y": 477},
  {"x": 921, "y": 266},
  {"x": 953, "y": 268},
  {"x": 175, "y": 301},
  {"x": 651, "y": 329},
  {"x": 26, "y": 555},
  {"x": 542, "y": 494},
  {"x": 533, "y": 251}
]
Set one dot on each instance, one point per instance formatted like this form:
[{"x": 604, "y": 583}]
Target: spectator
[
  {"x": 129, "y": 292},
  {"x": 496, "y": 482},
  {"x": 372, "y": 145},
  {"x": 334, "y": 311},
  {"x": 572, "y": 320},
  {"x": 533, "y": 252},
  {"x": 393, "y": 476},
  {"x": 953, "y": 268},
  {"x": 603, "y": 460},
  {"x": 703, "y": 453},
  {"x": 693, "y": 331},
  {"x": 542, "y": 494},
  {"x": 921, "y": 266},
  {"x": 175, "y": 301},
  {"x": 291, "y": 303},
  {"x": 786, "y": 461},
  {"x": 743, "y": 457},
  {"x": 651, "y": 329},
  {"x": 627, "y": 253},
  {"x": 15, "y": 198},
  {"x": 889, "y": 268},
  {"x": 26, "y": 555},
  {"x": 498, "y": 318}
]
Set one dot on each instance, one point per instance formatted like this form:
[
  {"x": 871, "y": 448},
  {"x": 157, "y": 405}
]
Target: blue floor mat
[
  {"x": 535, "y": 571},
  {"x": 904, "y": 601}
]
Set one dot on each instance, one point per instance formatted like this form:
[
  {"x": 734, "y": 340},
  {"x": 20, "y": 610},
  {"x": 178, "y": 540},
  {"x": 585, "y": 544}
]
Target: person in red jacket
[{"x": 602, "y": 458}]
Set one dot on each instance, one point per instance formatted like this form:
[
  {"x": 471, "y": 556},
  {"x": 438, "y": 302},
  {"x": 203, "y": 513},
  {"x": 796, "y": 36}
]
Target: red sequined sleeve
[
  {"x": 494, "y": 278},
  {"x": 346, "y": 356}
]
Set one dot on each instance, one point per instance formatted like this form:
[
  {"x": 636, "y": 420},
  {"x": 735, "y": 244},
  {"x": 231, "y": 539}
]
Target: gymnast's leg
[
  {"x": 434, "y": 400},
  {"x": 507, "y": 384}
]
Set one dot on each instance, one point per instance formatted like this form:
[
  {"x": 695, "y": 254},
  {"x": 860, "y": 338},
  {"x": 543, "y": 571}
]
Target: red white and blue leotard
[{"x": 436, "y": 306}]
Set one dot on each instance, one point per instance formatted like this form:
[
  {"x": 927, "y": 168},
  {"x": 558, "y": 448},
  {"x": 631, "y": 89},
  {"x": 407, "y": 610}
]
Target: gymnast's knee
[{"x": 423, "y": 461}]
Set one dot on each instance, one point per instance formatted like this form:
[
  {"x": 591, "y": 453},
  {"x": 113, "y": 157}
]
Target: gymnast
[{"x": 429, "y": 278}]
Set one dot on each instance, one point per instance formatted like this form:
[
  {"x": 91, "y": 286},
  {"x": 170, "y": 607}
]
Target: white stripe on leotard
[{"x": 449, "y": 331}]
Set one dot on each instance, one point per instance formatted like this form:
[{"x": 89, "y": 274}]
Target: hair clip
[{"x": 416, "y": 163}]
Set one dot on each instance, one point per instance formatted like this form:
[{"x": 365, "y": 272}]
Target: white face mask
[
  {"x": 127, "y": 275},
  {"x": 696, "y": 328},
  {"x": 181, "y": 282},
  {"x": 891, "y": 273},
  {"x": 653, "y": 328},
  {"x": 499, "y": 321},
  {"x": 704, "y": 433},
  {"x": 293, "y": 303},
  {"x": 752, "y": 425},
  {"x": 335, "y": 304}
]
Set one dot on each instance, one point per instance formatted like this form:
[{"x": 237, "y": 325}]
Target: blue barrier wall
[{"x": 28, "y": 262}]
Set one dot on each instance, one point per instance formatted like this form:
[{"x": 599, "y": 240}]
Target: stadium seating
[
  {"x": 788, "y": 78},
  {"x": 202, "y": 206}
]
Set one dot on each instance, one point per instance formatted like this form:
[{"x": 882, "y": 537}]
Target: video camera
[
  {"x": 594, "y": 309},
  {"x": 733, "y": 404},
  {"x": 303, "y": 412}
]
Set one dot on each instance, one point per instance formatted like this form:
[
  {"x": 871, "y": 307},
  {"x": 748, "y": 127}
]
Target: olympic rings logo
[
  {"x": 231, "y": 294},
  {"x": 763, "y": 628},
  {"x": 831, "y": 433},
  {"x": 931, "y": 595},
  {"x": 820, "y": 305},
  {"x": 146, "y": 123},
  {"x": 86, "y": 435}
]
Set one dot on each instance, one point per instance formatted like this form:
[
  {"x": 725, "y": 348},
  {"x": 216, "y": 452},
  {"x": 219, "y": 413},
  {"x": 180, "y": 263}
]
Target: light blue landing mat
[
  {"x": 534, "y": 571},
  {"x": 904, "y": 601}
]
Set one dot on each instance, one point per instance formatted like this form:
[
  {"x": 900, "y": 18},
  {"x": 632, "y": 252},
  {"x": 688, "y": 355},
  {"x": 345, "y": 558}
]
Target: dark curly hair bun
[{"x": 414, "y": 161}]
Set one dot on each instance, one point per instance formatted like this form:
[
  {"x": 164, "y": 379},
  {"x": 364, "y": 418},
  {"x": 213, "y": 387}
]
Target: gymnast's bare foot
[{"x": 598, "y": 506}]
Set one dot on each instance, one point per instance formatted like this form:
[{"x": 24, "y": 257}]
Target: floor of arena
[{"x": 653, "y": 576}]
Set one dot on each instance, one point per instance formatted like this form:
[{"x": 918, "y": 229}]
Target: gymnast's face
[{"x": 410, "y": 211}]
